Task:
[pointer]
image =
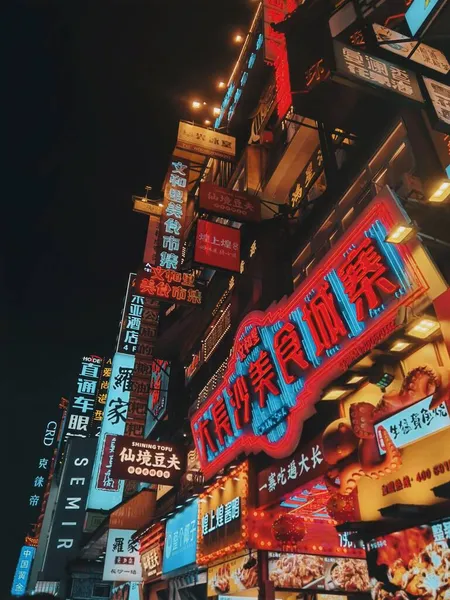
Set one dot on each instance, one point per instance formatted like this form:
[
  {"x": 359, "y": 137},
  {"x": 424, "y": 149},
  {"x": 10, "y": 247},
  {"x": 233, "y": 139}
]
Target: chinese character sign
[
  {"x": 413, "y": 423},
  {"x": 283, "y": 358},
  {"x": 181, "y": 539},
  {"x": 440, "y": 98},
  {"x": 229, "y": 203},
  {"x": 82, "y": 405},
  {"x": 357, "y": 64},
  {"x": 122, "y": 560},
  {"x": 158, "y": 395},
  {"x": 168, "y": 286},
  {"x": 100, "y": 401},
  {"x": 105, "y": 492},
  {"x": 205, "y": 141},
  {"x": 148, "y": 461},
  {"x": 23, "y": 569},
  {"x": 131, "y": 319},
  {"x": 151, "y": 561},
  {"x": 218, "y": 246},
  {"x": 222, "y": 516},
  {"x": 418, "y": 12},
  {"x": 171, "y": 235}
]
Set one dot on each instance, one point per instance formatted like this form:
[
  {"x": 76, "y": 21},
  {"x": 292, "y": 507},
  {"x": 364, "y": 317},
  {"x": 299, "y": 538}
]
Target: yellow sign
[
  {"x": 236, "y": 575},
  {"x": 425, "y": 465}
]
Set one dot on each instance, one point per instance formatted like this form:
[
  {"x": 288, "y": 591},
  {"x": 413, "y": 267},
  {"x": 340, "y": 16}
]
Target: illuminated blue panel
[
  {"x": 180, "y": 545},
  {"x": 418, "y": 12},
  {"x": 447, "y": 170},
  {"x": 116, "y": 409},
  {"x": 22, "y": 574}
]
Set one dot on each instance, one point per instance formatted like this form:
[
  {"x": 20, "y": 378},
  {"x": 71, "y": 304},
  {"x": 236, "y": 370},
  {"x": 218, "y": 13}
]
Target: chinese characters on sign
[
  {"x": 168, "y": 286},
  {"x": 26, "y": 557},
  {"x": 381, "y": 73},
  {"x": 122, "y": 560},
  {"x": 413, "y": 423},
  {"x": 181, "y": 539},
  {"x": 105, "y": 481},
  {"x": 283, "y": 358},
  {"x": 217, "y": 245},
  {"x": 306, "y": 178},
  {"x": 131, "y": 319},
  {"x": 149, "y": 462},
  {"x": 229, "y": 203},
  {"x": 283, "y": 477},
  {"x": 81, "y": 411},
  {"x": 171, "y": 234},
  {"x": 205, "y": 141},
  {"x": 100, "y": 401},
  {"x": 221, "y": 515},
  {"x": 158, "y": 394},
  {"x": 152, "y": 563},
  {"x": 440, "y": 98}
]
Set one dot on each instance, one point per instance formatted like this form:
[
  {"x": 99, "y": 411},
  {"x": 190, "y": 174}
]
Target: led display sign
[
  {"x": 418, "y": 12},
  {"x": 168, "y": 286},
  {"x": 22, "y": 573},
  {"x": 105, "y": 492},
  {"x": 122, "y": 560},
  {"x": 181, "y": 539},
  {"x": 284, "y": 357}
]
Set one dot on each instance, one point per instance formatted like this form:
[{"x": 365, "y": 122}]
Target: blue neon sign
[
  {"x": 23, "y": 569},
  {"x": 181, "y": 539},
  {"x": 418, "y": 12}
]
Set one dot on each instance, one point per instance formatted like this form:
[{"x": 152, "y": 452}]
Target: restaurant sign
[
  {"x": 200, "y": 140},
  {"x": 229, "y": 203},
  {"x": 284, "y": 357},
  {"x": 168, "y": 286}
]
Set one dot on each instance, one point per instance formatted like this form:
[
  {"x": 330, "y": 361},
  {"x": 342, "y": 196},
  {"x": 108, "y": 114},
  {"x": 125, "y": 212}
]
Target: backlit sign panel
[
  {"x": 105, "y": 492},
  {"x": 181, "y": 539},
  {"x": 418, "y": 12},
  {"x": 218, "y": 246},
  {"x": 440, "y": 98},
  {"x": 239, "y": 206},
  {"x": 128, "y": 339},
  {"x": 122, "y": 560},
  {"x": 284, "y": 357},
  {"x": 168, "y": 286},
  {"x": 200, "y": 140},
  {"x": 81, "y": 410},
  {"x": 158, "y": 395},
  {"x": 23, "y": 569}
]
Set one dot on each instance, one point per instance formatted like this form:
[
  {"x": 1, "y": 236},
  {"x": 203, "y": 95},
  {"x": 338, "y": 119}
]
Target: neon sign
[{"x": 284, "y": 357}]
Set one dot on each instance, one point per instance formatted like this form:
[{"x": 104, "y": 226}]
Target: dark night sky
[{"x": 92, "y": 93}]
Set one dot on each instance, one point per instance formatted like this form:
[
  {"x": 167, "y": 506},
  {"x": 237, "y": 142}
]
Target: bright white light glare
[
  {"x": 400, "y": 234},
  {"x": 423, "y": 328},
  {"x": 238, "y": 38},
  {"x": 441, "y": 193},
  {"x": 334, "y": 394},
  {"x": 355, "y": 379},
  {"x": 221, "y": 85},
  {"x": 216, "y": 111},
  {"x": 196, "y": 104},
  {"x": 399, "y": 346}
]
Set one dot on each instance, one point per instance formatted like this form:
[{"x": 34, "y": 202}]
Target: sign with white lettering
[
  {"x": 181, "y": 539},
  {"x": 79, "y": 421},
  {"x": 68, "y": 521},
  {"x": 122, "y": 560},
  {"x": 147, "y": 461},
  {"x": 205, "y": 141},
  {"x": 151, "y": 561},
  {"x": 26, "y": 557},
  {"x": 440, "y": 98}
]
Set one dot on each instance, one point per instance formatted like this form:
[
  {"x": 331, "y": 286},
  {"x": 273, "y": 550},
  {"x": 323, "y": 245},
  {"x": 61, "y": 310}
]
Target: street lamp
[
  {"x": 196, "y": 104},
  {"x": 238, "y": 38},
  {"x": 442, "y": 191}
]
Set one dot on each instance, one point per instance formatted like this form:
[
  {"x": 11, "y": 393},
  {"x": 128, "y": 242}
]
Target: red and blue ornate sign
[{"x": 284, "y": 357}]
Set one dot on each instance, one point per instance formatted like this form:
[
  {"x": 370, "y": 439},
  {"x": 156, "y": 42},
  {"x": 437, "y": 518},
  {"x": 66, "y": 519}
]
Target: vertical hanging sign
[{"x": 173, "y": 217}]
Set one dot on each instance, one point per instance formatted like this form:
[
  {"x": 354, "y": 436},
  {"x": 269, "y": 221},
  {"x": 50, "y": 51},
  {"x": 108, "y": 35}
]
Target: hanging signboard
[
  {"x": 158, "y": 395},
  {"x": 168, "y": 286},
  {"x": 23, "y": 570},
  {"x": 128, "y": 339},
  {"x": 422, "y": 54},
  {"x": 151, "y": 561},
  {"x": 181, "y": 539},
  {"x": 356, "y": 64},
  {"x": 440, "y": 98},
  {"x": 218, "y": 246},
  {"x": 147, "y": 461},
  {"x": 81, "y": 409},
  {"x": 284, "y": 357},
  {"x": 418, "y": 12},
  {"x": 307, "y": 178},
  {"x": 229, "y": 203},
  {"x": 122, "y": 560},
  {"x": 200, "y": 140}
]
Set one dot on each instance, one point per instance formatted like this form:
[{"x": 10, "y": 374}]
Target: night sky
[{"x": 90, "y": 107}]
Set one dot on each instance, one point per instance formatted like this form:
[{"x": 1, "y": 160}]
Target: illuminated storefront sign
[
  {"x": 128, "y": 339},
  {"x": 100, "y": 401},
  {"x": 23, "y": 569},
  {"x": 236, "y": 575},
  {"x": 364, "y": 67},
  {"x": 122, "y": 560},
  {"x": 284, "y": 357},
  {"x": 217, "y": 245},
  {"x": 307, "y": 178},
  {"x": 222, "y": 517},
  {"x": 229, "y": 203},
  {"x": 81, "y": 410},
  {"x": 168, "y": 286},
  {"x": 181, "y": 539},
  {"x": 158, "y": 395},
  {"x": 413, "y": 423},
  {"x": 423, "y": 54},
  {"x": 205, "y": 141},
  {"x": 151, "y": 561},
  {"x": 105, "y": 492},
  {"x": 440, "y": 98},
  {"x": 418, "y": 12}
]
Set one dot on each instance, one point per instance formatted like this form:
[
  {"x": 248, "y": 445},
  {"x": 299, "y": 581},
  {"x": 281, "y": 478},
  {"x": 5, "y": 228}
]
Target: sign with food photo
[
  {"x": 236, "y": 575},
  {"x": 304, "y": 571},
  {"x": 409, "y": 564}
]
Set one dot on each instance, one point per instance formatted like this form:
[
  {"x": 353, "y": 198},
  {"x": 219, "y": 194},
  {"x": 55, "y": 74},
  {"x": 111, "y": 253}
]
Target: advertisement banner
[
  {"x": 23, "y": 569},
  {"x": 122, "y": 561},
  {"x": 168, "y": 286},
  {"x": 181, "y": 539},
  {"x": 229, "y": 203},
  {"x": 236, "y": 575},
  {"x": 283, "y": 358},
  {"x": 304, "y": 571},
  {"x": 359, "y": 65},
  {"x": 221, "y": 516},
  {"x": 398, "y": 562},
  {"x": 148, "y": 461},
  {"x": 200, "y": 140},
  {"x": 218, "y": 246},
  {"x": 105, "y": 493},
  {"x": 67, "y": 528}
]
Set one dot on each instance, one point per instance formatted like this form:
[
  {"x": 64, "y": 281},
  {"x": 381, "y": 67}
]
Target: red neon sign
[{"x": 284, "y": 357}]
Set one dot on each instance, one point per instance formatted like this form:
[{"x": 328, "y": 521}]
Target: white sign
[
  {"x": 440, "y": 97},
  {"x": 122, "y": 560},
  {"x": 205, "y": 141},
  {"x": 413, "y": 423},
  {"x": 423, "y": 54}
]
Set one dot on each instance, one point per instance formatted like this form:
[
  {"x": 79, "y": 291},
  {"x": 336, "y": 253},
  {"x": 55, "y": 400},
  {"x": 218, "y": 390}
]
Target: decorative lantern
[
  {"x": 342, "y": 508},
  {"x": 289, "y": 529}
]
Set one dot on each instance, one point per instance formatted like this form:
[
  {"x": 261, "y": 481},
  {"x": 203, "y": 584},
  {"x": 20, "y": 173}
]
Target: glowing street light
[
  {"x": 221, "y": 85},
  {"x": 196, "y": 104},
  {"x": 238, "y": 38},
  {"x": 207, "y": 122},
  {"x": 216, "y": 111}
]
